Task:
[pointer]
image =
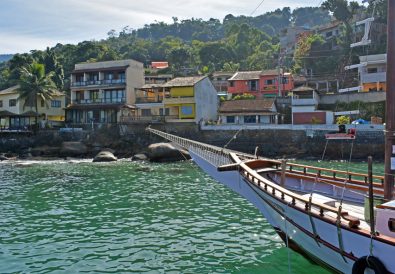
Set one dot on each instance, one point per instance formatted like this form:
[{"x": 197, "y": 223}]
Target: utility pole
[{"x": 390, "y": 100}]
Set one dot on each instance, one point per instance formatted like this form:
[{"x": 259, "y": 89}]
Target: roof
[
  {"x": 184, "y": 81},
  {"x": 9, "y": 90},
  {"x": 245, "y": 75},
  {"x": 99, "y": 69},
  {"x": 6, "y": 113},
  {"x": 252, "y": 75},
  {"x": 159, "y": 65},
  {"x": 14, "y": 89},
  {"x": 331, "y": 25},
  {"x": 249, "y": 106}
]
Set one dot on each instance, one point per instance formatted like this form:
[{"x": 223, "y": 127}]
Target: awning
[
  {"x": 95, "y": 106},
  {"x": 6, "y": 113}
]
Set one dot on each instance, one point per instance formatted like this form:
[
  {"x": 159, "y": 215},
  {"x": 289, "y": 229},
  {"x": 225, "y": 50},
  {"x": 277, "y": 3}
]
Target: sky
[{"x": 35, "y": 24}]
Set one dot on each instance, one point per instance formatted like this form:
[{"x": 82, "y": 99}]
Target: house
[
  {"x": 190, "y": 99},
  {"x": 102, "y": 92},
  {"x": 14, "y": 114},
  {"x": 289, "y": 37},
  {"x": 259, "y": 111},
  {"x": 372, "y": 72},
  {"x": 261, "y": 83},
  {"x": 330, "y": 33},
  {"x": 159, "y": 65},
  {"x": 304, "y": 105}
]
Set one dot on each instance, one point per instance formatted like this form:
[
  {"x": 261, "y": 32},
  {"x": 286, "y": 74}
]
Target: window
[
  {"x": 391, "y": 224},
  {"x": 1, "y": 103},
  {"x": 253, "y": 85},
  {"x": 230, "y": 119},
  {"x": 114, "y": 96},
  {"x": 166, "y": 113},
  {"x": 186, "y": 110},
  {"x": 94, "y": 95},
  {"x": 56, "y": 103},
  {"x": 42, "y": 103},
  {"x": 372, "y": 70},
  {"x": 250, "y": 119},
  {"x": 269, "y": 82},
  {"x": 146, "y": 112},
  {"x": 284, "y": 80},
  {"x": 328, "y": 34},
  {"x": 12, "y": 103},
  {"x": 231, "y": 83}
]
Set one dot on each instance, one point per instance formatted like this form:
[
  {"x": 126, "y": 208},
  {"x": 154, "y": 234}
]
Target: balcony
[
  {"x": 147, "y": 100},
  {"x": 99, "y": 83},
  {"x": 100, "y": 101},
  {"x": 373, "y": 77},
  {"x": 179, "y": 100}
]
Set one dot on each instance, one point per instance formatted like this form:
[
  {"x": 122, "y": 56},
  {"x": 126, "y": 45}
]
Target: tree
[{"x": 35, "y": 84}]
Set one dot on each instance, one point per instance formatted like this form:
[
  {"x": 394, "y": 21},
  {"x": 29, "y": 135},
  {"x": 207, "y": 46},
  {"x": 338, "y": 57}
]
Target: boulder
[
  {"x": 45, "y": 150},
  {"x": 3, "y": 158},
  {"x": 70, "y": 149},
  {"x": 104, "y": 156},
  {"x": 166, "y": 152},
  {"x": 139, "y": 157}
]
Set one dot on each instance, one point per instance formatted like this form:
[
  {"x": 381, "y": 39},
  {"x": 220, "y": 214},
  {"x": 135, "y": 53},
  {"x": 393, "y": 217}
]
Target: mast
[{"x": 390, "y": 101}]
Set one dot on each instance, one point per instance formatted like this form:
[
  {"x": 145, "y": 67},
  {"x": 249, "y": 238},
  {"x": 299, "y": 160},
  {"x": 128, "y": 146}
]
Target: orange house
[{"x": 260, "y": 83}]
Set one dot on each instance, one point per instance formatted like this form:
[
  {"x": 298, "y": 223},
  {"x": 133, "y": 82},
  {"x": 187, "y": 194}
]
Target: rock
[
  {"x": 45, "y": 150},
  {"x": 104, "y": 156},
  {"x": 108, "y": 149},
  {"x": 3, "y": 158},
  {"x": 166, "y": 152},
  {"x": 70, "y": 149},
  {"x": 139, "y": 157}
]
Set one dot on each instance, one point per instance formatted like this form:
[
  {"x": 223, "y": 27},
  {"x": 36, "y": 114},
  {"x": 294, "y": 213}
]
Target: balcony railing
[
  {"x": 373, "y": 77},
  {"x": 98, "y": 82},
  {"x": 100, "y": 101},
  {"x": 144, "y": 100}
]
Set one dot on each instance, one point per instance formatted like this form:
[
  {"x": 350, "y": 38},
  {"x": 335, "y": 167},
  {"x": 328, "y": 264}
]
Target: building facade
[
  {"x": 14, "y": 114},
  {"x": 102, "y": 92},
  {"x": 190, "y": 99},
  {"x": 372, "y": 73},
  {"x": 260, "y": 111},
  {"x": 261, "y": 84}
]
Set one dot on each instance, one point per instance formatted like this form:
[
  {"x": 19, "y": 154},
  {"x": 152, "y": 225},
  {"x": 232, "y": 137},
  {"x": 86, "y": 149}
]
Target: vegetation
[
  {"x": 343, "y": 120},
  {"x": 197, "y": 46},
  {"x": 34, "y": 85},
  {"x": 244, "y": 96}
]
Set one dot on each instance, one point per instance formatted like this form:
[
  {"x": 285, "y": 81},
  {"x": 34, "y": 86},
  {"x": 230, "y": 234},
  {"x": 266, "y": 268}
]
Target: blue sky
[{"x": 36, "y": 24}]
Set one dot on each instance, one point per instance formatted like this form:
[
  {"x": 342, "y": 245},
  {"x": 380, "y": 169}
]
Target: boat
[{"x": 327, "y": 215}]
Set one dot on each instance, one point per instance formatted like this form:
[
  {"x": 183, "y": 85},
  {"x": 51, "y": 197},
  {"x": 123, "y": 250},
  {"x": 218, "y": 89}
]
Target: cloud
[{"x": 26, "y": 25}]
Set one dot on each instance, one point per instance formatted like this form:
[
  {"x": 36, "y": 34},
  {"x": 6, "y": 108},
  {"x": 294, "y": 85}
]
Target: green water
[{"x": 60, "y": 217}]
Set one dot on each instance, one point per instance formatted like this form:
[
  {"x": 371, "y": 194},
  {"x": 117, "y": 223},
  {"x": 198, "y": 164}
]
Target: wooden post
[
  {"x": 371, "y": 201},
  {"x": 283, "y": 169},
  {"x": 390, "y": 100}
]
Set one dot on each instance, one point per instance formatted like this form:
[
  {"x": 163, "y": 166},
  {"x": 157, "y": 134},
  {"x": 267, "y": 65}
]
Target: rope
[
  {"x": 232, "y": 138},
  {"x": 286, "y": 239},
  {"x": 316, "y": 236},
  {"x": 323, "y": 154}
]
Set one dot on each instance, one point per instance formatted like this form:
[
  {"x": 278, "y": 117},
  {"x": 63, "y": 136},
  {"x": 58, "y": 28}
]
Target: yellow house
[
  {"x": 13, "y": 114},
  {"x": 372, "y": 72},
  {"x": 190, "y": 99}
]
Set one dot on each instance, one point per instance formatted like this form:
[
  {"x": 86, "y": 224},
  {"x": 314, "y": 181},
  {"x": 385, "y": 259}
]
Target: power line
[{"x": 257, "y": 7}]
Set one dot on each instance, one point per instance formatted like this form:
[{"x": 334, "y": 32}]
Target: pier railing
[{"x": 217, "y": 156}]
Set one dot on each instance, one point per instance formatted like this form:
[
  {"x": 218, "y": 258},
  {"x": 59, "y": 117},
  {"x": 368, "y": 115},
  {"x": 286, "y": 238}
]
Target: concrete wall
[
  {"x": 206, "y": 100},
  {"x": 368, "y": 97}
]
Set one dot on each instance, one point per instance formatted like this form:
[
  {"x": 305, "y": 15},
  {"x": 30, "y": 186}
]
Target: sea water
[{"x": 78, "y": 216}]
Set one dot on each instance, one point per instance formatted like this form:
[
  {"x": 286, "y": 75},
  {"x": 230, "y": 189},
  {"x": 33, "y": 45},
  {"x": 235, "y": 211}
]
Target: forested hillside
[{"x": 236, "y": 43}]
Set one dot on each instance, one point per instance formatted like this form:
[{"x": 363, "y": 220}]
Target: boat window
[{"x": 391, "y": 224}]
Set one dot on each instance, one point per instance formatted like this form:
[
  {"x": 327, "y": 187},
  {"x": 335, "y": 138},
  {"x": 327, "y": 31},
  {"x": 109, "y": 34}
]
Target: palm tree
[{"x": 35, "y": 84}]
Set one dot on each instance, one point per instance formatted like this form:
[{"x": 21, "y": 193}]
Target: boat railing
[
  {"x": 337, "y": 175},
  {"x": 290, "y": 197}
]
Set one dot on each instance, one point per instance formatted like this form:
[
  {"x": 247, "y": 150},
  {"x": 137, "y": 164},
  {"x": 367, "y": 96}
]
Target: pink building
[{"x": 260, "y": 83}]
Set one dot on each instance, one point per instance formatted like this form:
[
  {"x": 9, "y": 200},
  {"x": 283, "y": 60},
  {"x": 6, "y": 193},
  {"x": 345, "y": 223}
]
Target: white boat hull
[{"x": 300, "y": 227}]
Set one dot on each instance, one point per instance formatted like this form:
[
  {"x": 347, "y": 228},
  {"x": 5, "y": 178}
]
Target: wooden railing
[{"x": 277, "y": 191}]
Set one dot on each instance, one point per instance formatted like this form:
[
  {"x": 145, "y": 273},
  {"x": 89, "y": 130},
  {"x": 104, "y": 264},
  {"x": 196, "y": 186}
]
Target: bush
[{"x": 343, "y": 120}]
